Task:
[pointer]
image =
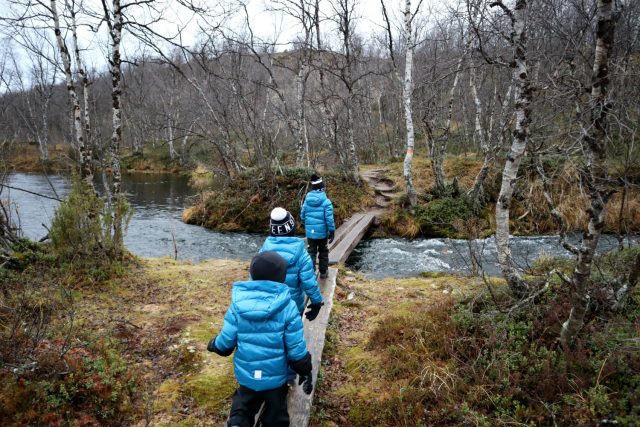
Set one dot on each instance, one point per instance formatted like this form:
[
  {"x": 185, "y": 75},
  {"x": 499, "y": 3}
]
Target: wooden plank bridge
[{"x": 347, "y": 237}]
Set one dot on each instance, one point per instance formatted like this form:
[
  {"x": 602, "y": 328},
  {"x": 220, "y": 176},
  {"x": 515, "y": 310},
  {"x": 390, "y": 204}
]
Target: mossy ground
[{"x": 139, "y": 331}]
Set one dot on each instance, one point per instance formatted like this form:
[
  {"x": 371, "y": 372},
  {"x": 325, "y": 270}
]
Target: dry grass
[
  {"x": 26, "y": 158},
  {"x": 356, "y": 386},
  {"x": 530, "y": 212}
]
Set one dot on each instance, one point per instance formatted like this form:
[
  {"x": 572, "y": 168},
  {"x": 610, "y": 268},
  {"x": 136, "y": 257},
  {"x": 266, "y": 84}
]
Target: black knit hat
[
  {"x": 282, "y": 223},
  {"x": 316, "y": 182},
  {"x": 268, "y": 265}
]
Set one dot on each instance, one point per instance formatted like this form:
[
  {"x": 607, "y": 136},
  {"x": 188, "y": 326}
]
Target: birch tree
[
  {"x": 344, "y": 15},
  {"x": 86, "y": 169},
  {"x": 304, "y": 12},
  {"x": 523, "y": 95},
  {"x": 595, "y": 175},
  {"x": 409, "y": 40}
]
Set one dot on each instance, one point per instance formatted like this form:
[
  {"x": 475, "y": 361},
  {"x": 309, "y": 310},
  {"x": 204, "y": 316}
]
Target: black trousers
[
  {"x": 319, "y": 245},
  {"x": 246, "y": 404}
]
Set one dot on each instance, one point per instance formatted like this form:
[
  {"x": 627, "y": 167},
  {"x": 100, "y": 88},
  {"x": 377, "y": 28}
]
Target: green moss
[
  {"x": 167, "y": 396},
  {"x": 212, "y": 388}
]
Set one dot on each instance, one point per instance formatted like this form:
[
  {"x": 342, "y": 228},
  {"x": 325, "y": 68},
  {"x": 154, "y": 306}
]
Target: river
[{"x": 158, "y": 201}]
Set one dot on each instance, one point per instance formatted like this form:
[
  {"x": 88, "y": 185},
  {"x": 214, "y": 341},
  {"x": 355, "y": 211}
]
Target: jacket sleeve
[
  {"x": 307, "y": 278},
  {"x": 228, "y": 338},
  {"x": 328, "y": 216},
  {"x": 294, "y": 341}
]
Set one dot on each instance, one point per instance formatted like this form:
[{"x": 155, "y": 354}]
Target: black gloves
[
  {"x": 331, "y": 236},
  {"x": 212, "y": 347},
  {"x": 303, "y": 368},
  {"x": 307, "y": 383},
  {"x": 314, "y": 309}
]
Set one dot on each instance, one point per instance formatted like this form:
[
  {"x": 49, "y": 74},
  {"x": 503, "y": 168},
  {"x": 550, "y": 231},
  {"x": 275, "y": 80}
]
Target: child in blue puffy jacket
[
  {"x": 301, "y": 277},
  {"x": 317, "y": 218},
  {"x": 264, "y": 327}
]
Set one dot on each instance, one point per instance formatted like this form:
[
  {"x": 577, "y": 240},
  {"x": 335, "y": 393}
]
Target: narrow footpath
[{"x": 347, "y": 237}]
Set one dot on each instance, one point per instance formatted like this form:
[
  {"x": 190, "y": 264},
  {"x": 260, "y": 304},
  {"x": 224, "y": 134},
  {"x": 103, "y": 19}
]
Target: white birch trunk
[
  {"x": 172, "y": 151},
  {"x": 116, "y": 122},
  {"x": 407, "y": 91},
  {"x": 43, "y": 139},
  {"x": 523, "y": 94},
  {"x": 86, "y": 171},
  {"x": 83, "y": 75},
  {"x": 594, "y": 143},
  {"x": 301, "y": 147}
]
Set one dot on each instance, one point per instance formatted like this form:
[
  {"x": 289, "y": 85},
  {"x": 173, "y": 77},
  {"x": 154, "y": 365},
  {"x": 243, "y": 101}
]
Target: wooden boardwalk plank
[
  {"x": 347, "y": 236},
  {"x": 344, "y": 229},
  {"x": 341, "y": 251},
  {"x": 314, "y": 332}
]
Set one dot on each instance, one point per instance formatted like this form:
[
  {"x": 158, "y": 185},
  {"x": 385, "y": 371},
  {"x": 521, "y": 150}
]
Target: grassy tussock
[
  {"x": 153, "y": 160},
  {"x": 246, "y": 204}
]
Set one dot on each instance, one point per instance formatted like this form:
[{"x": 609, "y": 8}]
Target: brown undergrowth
[
  {"x": 435, "y": 214},
  {"x": 436, "y": 351},
  {"x": 125, "y": 346},
  {"x": 24, "y": 157}
]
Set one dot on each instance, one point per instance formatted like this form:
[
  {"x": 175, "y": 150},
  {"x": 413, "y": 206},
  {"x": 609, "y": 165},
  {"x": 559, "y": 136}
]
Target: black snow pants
[
  {"x": 246, "y": 404},
  {"x": 319, "y": 245}
]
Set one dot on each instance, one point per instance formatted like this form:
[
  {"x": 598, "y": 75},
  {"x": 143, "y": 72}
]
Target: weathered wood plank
[
  {"x": 344, "y": 229},
  {"x": 314, "y": 332},
  {"x": 341, "y": 251}
]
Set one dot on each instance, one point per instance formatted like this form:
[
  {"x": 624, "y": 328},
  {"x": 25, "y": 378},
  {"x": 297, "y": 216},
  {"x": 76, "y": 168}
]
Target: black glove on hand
[
  {"x": 212, "y": 347},
  {"x": 314, "y": 309},
  {"x": 307, "y": 383},
  {"x": 331, "y": 236}
]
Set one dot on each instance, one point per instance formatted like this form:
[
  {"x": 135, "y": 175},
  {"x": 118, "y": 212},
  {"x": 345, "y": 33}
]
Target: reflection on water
[{"x": 158, "y": 201}]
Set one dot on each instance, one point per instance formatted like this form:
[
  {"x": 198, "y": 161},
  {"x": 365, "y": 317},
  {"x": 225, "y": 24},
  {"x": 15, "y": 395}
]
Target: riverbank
[
  {"x": 24, "y": 157},
  {"x": 442, "y": 351},
  {"x": 118, "y": 345},
  {"x": 242, "y": 205},
  {"x": 454, "y": 216},
  {"x": 127, "y": 345},
  {"x": 246, "y": 203}
]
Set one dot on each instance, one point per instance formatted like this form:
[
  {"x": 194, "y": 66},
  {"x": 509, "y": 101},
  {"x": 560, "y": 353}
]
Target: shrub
[
  {"x": 437, "y": 218},
  {"x": 82, "y": 225}
]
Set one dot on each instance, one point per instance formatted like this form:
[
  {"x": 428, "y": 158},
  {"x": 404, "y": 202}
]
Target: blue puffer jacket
[
  {"x": 265, "y": 326},
  {"x": 300, "y": 274},
  {"x": 317, "y": 215}
]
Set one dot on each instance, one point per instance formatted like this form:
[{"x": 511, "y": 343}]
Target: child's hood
[
  {"x": 316, "y": 198},
  {"x": 259, "y": 299}
]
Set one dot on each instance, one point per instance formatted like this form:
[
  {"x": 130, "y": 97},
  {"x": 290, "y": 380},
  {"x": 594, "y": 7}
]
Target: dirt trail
[{"x": 384, "y": 188}]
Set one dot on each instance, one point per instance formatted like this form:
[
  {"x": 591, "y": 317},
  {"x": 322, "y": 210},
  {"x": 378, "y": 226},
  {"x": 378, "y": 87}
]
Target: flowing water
[{"x": 158, "y": 201}]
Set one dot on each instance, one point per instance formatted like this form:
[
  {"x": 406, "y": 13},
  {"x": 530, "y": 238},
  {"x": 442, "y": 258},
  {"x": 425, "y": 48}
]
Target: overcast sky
[{"x": 266, "y": 24}]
